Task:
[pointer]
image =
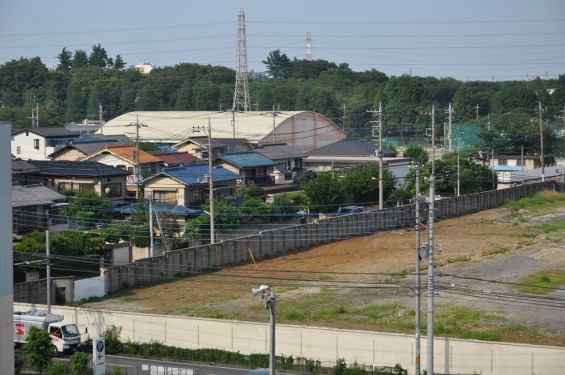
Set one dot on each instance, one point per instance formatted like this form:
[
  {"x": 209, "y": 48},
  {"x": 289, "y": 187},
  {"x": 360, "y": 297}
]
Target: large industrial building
[{"x": 302, "y": 130}]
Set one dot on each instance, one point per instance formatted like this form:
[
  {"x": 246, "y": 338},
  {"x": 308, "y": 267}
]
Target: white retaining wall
[
  {"x": 452, "y": 356},
  {"x": 86, "y": 288}
]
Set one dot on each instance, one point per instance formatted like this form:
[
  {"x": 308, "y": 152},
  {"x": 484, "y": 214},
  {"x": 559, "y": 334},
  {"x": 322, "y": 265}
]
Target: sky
[{"x": 485, "y": 40}]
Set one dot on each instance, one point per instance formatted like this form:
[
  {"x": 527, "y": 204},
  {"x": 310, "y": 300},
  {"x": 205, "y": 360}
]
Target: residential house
[
  {"x": 189, "y": 185},
  {"x": 287, "y": 160},
  {"x": 81, "y": 149},
  {"x": 76, "y": 175},
  {"x": 39, "y": 143},
  {"x": 127, "y": 158},
  {"x": 517, "y": 169},
  {"x": 35, "y": 207},
  {"x": 198, "y": 146},
  {"x": 346, "y": 154},
  {"x": 251, "y": 166}
]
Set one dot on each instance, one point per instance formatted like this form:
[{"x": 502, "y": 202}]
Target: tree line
[{"x": 83, "y": 82}]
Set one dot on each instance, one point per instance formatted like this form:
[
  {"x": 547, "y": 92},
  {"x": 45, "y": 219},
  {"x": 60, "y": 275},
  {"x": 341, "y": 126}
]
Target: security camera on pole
[{"x": 270, "y": 302}]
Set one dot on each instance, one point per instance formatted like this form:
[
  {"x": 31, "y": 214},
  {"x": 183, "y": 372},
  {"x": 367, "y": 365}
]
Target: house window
[
  {"x": 112, "y": 189},
  {"x": 36, "y": 144},
  {"x": 18, "y": 150},
  {"x": 65, "y": 186},
  {"x": 502, "y": 161},
  {"x": 165, "y": 197}
]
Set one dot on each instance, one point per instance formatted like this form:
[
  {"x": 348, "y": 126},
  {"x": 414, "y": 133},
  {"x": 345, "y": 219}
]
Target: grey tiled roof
[
  {"x": 350, "y": 147},
  {"x": 33, "y": 195},
  {"x": 49, "y": 132},
  {"x": 279, "y": 151},
  {"x": 247, "y": 159},
  {"x": 88, "y": 169}
]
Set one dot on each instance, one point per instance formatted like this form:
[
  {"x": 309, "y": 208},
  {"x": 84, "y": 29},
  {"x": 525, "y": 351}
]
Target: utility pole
[
  {"x": 101, "y": 118},
  {"x": 343, "y": 118},
  {"x": 135, "y": 158},
  {"x": 379, "y": 122},
  {"x": 477, "y": 111},
  {"x": 560, "y": 117},
  {"x": 431, "y": 265},
  {"x": 48, "y": 251},
  {"x": 274, "y": 114},
  {"x": 542, "y": 156},
  {"x": 34, "y": 113},
  {"x": 450, "y": 112},
  {"x": 211, "y": 183},
  {"x": 418, "y": 249},
  {"x": 151, "y": 243}
]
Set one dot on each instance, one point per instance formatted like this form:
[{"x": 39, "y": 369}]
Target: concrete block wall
[{"x": 276, "y": 242}]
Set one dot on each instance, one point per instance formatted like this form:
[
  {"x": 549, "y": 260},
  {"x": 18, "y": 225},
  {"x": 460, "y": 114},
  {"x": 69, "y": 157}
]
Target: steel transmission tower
[{"x": 241, "y": 95}]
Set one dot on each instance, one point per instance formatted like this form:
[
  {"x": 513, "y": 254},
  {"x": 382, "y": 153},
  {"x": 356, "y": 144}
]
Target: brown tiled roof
[
  {"x": 179, "y": 158},
  {"x": 127, "y": 153}
]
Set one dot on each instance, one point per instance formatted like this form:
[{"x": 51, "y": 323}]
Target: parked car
[{"x": 349, "y": 210}]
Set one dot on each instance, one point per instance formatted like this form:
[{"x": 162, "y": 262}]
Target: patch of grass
[
  {"x": 554, "y": 226},
  {"x": 203, "y": 312},
  {"x": 325, "y": 278},
  {"x": 130, "y": 298},
  {"x": 221, "y": 298},
  {"x": 544, "y": 202},
  {"x": 496, "y": 250},
  {"x": 294, "y": 314},
  {"x": 399, "y": 276},
  {"x": 542, "y": 282},
  {"x": 458, "y": 259}
]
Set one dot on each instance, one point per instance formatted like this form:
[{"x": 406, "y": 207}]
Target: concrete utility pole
[
  {"x": 477, "y": 111},
  {"x": 379, "y": 122},
  {"x": 211, "y": 183},
  {"x": 274, "y": 114},
  {"x": 151, "y": 243},
  {"x": 135, "y": 158},
  {"x": 101, "y": 118},
  {"x": 418, "y": 257},
  {"x": 270, "y": 298},
  {"x": 450, "y": 112},
  {"x": 431, "y": 276},
  {"x": 542, "y": 156},
  {"x": 48, "y": 277}
]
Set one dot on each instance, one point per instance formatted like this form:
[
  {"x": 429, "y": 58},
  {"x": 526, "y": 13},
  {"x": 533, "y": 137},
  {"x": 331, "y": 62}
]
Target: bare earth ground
[{"x": 478, "y": 258}]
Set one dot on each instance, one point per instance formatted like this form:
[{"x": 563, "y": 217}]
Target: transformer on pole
[{"x": 241, "y": 101}]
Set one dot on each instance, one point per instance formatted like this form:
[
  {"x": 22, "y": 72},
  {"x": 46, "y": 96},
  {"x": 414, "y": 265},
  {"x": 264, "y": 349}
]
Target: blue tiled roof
[
  {"x": 248, "y": 159},
  {"x": 161, "y": 208},
  {"x": 198, "y": 174}
]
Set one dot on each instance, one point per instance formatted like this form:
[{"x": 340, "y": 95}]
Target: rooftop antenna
[
  {"x": 308, "y": 46},
  {"x": 241, "y": 94}
]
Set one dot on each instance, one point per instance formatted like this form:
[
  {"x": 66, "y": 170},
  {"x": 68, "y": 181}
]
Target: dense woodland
[{"x": 83, "y": 81}]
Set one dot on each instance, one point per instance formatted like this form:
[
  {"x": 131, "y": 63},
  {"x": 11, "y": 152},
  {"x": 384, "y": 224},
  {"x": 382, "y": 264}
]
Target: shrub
[
  {"x": 79, "y": 363},
  {"x": 112, "y": 339},
  {"x": 58, "y": 368}
]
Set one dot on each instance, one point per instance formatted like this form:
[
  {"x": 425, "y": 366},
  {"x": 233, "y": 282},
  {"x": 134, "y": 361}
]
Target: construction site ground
[{"x": 368, "y": 283}]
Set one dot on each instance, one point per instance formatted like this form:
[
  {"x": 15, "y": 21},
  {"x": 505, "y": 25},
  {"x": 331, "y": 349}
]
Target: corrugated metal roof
[
  {"x": 175, "y": 126},
  {"x": 247, "y": 159}
]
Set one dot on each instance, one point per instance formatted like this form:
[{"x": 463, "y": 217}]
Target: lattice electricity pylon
[{"x": 241, "y": 101}]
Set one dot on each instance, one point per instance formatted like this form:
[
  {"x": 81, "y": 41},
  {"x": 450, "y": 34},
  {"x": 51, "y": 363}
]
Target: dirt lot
[{"x": 478, "y": 259}]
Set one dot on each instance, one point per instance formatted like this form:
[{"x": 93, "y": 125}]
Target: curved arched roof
[{"x": 176, "y": 126}]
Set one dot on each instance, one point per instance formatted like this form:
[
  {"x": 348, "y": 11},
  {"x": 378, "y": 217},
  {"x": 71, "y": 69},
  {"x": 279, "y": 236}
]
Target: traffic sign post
[{"x": 99, "y": 357}]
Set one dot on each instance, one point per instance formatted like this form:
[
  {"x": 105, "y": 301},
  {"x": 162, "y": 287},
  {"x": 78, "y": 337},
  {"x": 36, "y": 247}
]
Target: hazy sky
[{"x": 467, "y": 40}]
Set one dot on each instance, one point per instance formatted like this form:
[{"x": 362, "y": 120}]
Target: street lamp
[{"x": 270, "y": 302}]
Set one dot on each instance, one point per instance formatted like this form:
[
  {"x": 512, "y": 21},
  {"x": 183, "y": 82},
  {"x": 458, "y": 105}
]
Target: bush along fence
[{"x": 277, "y": 242}]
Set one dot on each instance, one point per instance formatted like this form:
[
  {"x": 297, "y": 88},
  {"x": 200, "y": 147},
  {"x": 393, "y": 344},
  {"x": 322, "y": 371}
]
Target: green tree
[
  {"x": 205, "y": 96},
  {"x": 79, "y": 363},
  {"x": 76, "y": 102},
  {"x": 516, "y": 99},
  {"x": 324, "y": 191},
  {"x": 20, "y": 76},
  {"x": 89, "y": 201},
  {"x": 464, "y": 104},
  {"x": 80, "y": 59},
  {"x": 416, "y": 152},
  {"x": 254, "y": 211},
  {"x": 39, "y": 349},
  {"x": 252, "y": 191},
  {"x": 98, "y": 56},
  {"x": 402, "y": 98},
  {"x": 278, "y": 65},
  {"x": 65, "y": 60},
  {"x": 360, "y": 184},
  {"x": 183, "y": 100},
  {"x": 119, "y": 63}
]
